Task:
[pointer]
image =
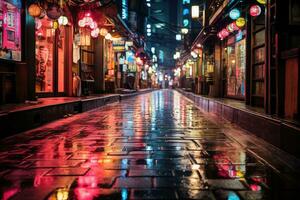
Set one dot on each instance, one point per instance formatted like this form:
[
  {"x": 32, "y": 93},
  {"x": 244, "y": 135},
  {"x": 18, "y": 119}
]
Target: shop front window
[
  {"x": 236, "y": 65},
  {"x": 10, "y": 30},
  {"x": 45, "y": 40}
]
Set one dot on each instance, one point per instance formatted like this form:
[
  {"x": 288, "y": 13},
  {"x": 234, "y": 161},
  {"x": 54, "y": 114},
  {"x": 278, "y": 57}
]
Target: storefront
[
  {"x": 234, "y": 65},
  {"x": 10, "y": 30},
  {"x": 52, "y": 52},
  {"x": 130, "y": 70},
  {"x": 10, "y": 49},
  {"x": 109, "y": 64}
]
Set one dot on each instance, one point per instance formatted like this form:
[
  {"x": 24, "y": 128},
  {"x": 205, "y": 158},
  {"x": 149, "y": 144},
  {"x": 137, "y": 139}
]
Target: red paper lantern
[
  {"x": 255, "y": 10},
  {"x": 234, "y": 26},
  {"x": 86, "y": 21},
  {"x": 224, "y": 33}
]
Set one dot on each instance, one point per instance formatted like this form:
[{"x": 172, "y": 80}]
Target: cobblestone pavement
[{"x": 154, "y": 146}]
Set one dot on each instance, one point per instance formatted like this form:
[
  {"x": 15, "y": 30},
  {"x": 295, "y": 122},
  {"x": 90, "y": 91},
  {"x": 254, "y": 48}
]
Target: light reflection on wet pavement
[{"x": 155, "y": 146}]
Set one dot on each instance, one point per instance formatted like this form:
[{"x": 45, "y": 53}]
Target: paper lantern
[
  {"x": 229, "y": 28},
  {"x": 224, "y": 33},
  {"x": 108, "y": 36},
  {"x": 262, "y": 1},
  {"x": 240, "y": 22},
  {"x": 63, "y": 20},
  {"x": 34, "y": 10},
  {"x": 95, "y": 32},
  {"x": 234, "y": 14},
  {"x": 93, "y": 25},
  {"x": 220, "y": 35},
  {"x": 103, "y": 31},
  {"x": 54, "y": 12},
  {"x": 86, "y": 21},
  {"x": 234, "y": 26},
  {"x": 255, "y": 10}
]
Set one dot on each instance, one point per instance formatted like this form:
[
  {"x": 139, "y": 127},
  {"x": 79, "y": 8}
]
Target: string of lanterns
[
  {"x": 54, "y": 11},
  {"x": 240, "y": 22},
  {"x": 88, "y": 22}
]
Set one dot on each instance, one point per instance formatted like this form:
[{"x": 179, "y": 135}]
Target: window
[
  {"x": 10, "y": 30},
  {"x": 236, "y": 65}
]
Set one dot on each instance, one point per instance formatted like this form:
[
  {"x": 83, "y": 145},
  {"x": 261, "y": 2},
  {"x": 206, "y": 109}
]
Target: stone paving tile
[
  {"x": 56, "y": 163},
  {"x": 133, "y": 182},
  {"x": 229, "y": 184},
  {"x": 148, "y": 172},
  {"x": 137, "y": 194},
  {"x": 196, "y": 194},
  {"x": 67, "y": 172},
  {"x": 155, "y": 146},
  {"x": 174, "y": 182}
]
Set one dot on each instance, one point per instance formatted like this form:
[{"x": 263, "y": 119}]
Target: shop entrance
[{"x": 50, "y": 58}]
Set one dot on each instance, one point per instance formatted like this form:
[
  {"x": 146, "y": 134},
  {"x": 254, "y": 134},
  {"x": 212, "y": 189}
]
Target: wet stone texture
[{"x": 155, "y": 146}]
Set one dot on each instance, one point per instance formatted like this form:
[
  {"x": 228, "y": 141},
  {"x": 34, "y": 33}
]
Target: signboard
[
  {"x": 186, "y": 13},
  {"x": 124, "y": 9},
  {"x": 119, "y": 45}
]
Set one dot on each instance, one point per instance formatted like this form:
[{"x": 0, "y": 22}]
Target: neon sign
[{"x": 124, "y": 9}]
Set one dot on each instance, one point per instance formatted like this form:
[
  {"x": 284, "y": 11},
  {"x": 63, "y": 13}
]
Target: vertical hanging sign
[
  {"x": 124, "y": 8},
  {"x": 186, "y": 13}
]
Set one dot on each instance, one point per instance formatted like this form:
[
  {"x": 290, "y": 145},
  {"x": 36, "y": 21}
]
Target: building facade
[
  {"x": 65, "y": 49},
  {"x": 248, "y": 52}
]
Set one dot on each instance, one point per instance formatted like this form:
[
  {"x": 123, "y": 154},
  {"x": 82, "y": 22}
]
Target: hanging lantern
[
  {"x": 234, "y": 26},
  {"x": 220, "y": 35},
  {"x": 95, "y": 32},
  {"x": 255, "y": 10},
  {"x": 108, "y": 36},
  {"x": 229, "y": 28},
  {"x": 262, "y": 1},
  {"x": 93, "y": 25},
  {"x": 63, "y": 20},
  {"x": 240, "y": 22},
  {"x": 54, "y": 12},
  {"x": 234, "y": 14},
  {"x": 86, "y": 21},
  {"x": 103, "y": 31},
  {"x": 224, "y": 33},
  {"x": 34, "y": 10}
]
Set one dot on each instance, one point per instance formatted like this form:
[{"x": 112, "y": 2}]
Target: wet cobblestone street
[{"x": 154, "y": 146}]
